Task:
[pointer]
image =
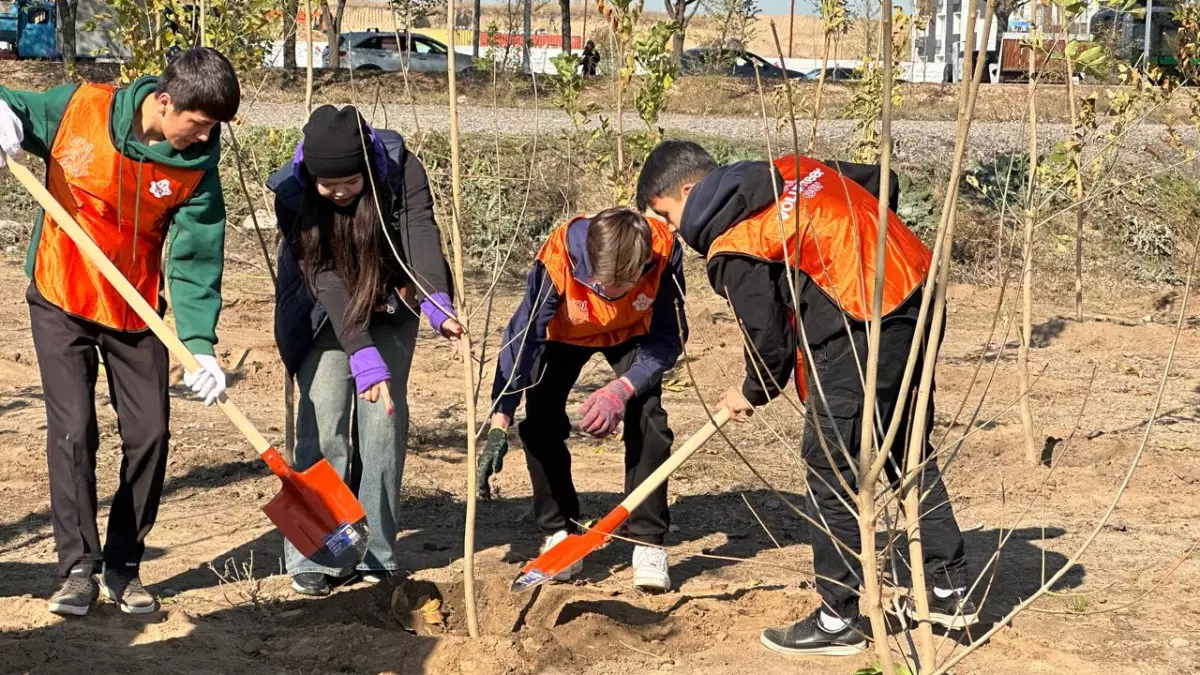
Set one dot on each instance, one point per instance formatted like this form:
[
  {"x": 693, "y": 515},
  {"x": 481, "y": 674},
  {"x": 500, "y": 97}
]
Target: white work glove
[
  {"x": 11, "y": 134},
  {"x": 208, "y": 382}
]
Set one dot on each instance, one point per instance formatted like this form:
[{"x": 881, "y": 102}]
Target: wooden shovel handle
[
  {"x": 676, "y": 460},
  {"x": 84, "y": 242}
]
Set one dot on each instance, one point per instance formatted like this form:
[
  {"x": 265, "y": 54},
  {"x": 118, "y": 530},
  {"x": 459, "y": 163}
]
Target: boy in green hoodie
[{"x": 131, "y": 165}]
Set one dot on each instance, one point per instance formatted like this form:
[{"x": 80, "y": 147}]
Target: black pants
[
  {"x": 68, "y": 351},
  {"x": 838, "y": 418},
  {"x": 546, "y": 428}
]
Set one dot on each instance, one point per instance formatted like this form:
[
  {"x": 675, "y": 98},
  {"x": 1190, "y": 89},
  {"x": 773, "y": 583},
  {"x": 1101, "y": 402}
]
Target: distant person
[
  {"x": 345, "y": 322},
  {"x": 591, "y": 58},
  {"x": 134, "y": 166}
]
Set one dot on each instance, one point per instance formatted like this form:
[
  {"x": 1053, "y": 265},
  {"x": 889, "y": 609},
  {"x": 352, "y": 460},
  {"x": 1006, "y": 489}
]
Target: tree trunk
[
  {"x": 1032, "y": 453},
  {"x": 333, "y": 30},
  {"x": 527, "y": 34},
  {"x": 291, "y": 24},
  {"x": 1002, "y": 21},
  {"x": 476, "y": 11},
  {"x": 308, "y": 68},
  {"x": 66, "y": 27},
  {"x": 678, "y": 14},
  {"x": 565, "y": 12},
  {"x": 468, "y": 362}
]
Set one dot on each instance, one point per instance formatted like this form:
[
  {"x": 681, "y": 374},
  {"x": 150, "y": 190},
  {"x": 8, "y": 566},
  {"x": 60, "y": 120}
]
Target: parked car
[
  {"x": 834, "y": 74},
  {"x": 732, "y": 62},
  {"x": 375, "y": 50}
]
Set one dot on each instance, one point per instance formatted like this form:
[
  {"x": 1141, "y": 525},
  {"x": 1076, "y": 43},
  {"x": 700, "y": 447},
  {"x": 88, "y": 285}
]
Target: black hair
[
  {"x": 202, "y": 79},
  {"x": 670, "y": 165},
  {"x": 347, "y": 240}
]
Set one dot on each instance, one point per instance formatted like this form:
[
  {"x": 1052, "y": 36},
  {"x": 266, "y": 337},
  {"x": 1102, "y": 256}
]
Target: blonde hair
[{"x": 618, "y": 246}]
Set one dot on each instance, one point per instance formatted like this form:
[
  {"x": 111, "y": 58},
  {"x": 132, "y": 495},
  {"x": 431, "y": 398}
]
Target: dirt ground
[{"x": 1127, "y": 607}]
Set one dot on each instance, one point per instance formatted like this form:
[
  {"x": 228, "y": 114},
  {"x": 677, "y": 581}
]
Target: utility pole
[{"x": 1146, "y": 45}]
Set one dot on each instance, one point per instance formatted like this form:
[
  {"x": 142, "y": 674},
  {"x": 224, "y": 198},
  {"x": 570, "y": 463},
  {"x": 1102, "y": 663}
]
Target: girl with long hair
[{"x": 360, "y": 252}]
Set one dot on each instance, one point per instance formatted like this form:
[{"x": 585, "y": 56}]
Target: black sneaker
[
  {"x": 76, "y": 595},
  {"x": 808, "y": 638},
  {"x": 313, "y": 584},
  {"x": 955, "y": 612},
  {"x": 127, "y": 591}
]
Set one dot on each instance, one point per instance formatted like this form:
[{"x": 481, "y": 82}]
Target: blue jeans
[{"x": 323, "y": 429}]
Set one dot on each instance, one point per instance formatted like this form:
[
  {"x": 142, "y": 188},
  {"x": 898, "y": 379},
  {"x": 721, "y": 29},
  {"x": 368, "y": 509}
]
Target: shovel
[
  {"x": 576, "y": 546},
  {"x": 314, "y": 509}
]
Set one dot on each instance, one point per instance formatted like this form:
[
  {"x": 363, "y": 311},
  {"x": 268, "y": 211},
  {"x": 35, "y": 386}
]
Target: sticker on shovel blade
[
  {"x": 342, "y": 539},
  {"x": 531, "y": 578}
]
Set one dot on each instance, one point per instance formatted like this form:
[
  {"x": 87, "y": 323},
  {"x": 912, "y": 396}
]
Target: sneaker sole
[
  {"x": 126, "y": 608},
  {"x": 952, "y": 621},
  {"x": 831, "y": 650},
  {"x": 652, "y": 584},
  {"x": 304, "y": 590},
  {"x": 69, "y": 610}
]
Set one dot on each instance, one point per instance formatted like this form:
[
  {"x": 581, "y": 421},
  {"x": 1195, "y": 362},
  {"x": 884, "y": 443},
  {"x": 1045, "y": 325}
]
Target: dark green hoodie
[{"x": 197, "y": 240}]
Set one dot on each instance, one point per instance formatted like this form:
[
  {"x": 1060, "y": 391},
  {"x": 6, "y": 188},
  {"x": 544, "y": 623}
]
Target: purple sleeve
[
  {"x": 432, "y": 308},
  {"x": 368, "y": 368}
]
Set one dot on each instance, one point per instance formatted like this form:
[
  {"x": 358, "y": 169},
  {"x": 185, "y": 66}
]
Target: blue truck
[{"x": 29, "y": 30}]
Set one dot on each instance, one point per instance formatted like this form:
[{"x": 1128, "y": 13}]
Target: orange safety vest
[
  {"x": 584, "y": 317},
  {"x": 124, "y": 205},
  {"x": 826, "y": 225}
]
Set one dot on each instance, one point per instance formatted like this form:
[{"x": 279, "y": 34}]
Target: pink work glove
[{"x": 604, "y": 409}]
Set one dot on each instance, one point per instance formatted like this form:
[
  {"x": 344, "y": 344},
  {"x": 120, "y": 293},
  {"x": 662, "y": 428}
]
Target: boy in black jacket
[{"x": 791, "y": 246}]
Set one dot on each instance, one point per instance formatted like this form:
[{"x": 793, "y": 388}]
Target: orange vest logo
[
  {"x": 160, "y": 188},
  {"x": 577, "y": 311},
  {"x": 585, "y": 317}
]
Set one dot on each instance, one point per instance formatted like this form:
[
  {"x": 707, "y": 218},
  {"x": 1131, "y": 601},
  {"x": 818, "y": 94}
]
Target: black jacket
[
  {"x": 761, "y": 293},
  {"x": 410, "y": 224}
]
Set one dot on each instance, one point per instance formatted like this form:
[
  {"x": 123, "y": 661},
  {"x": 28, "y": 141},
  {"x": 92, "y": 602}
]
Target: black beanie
[{"x": 333, "y": 143}]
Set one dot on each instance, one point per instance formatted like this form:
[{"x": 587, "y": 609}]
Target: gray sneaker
[
  {"x": 128, "y": 592},
  {"x": 76, "y": 595}
]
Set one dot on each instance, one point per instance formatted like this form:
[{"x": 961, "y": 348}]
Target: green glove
[{"x": 491, "y": 460}]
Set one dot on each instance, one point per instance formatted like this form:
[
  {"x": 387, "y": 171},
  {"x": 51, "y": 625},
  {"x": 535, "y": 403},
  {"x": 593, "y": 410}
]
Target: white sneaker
[
  {"x": 550, "y": 543},
  {"x": 650, "y": 569}
]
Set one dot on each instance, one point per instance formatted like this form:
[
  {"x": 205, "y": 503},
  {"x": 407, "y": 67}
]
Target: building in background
[{"x": 943, "y": 40}]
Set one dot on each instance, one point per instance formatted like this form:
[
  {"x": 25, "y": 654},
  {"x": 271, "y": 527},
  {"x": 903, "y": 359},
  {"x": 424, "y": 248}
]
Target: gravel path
[{"x": 915, "y": 139}]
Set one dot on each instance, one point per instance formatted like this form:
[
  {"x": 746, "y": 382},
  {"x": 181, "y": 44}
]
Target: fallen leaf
[{"x": 431, "y": 612}]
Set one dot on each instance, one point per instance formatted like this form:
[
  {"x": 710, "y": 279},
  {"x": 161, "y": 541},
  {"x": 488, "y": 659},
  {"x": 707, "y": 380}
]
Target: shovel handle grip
[
  {"x": 84, "y": 242},
  {"x": 676, "y": 460}
]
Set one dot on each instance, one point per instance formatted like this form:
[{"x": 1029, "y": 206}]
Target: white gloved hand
[
  {"x": 208, "y": 382},
  {"x": 11, "y": 134}
]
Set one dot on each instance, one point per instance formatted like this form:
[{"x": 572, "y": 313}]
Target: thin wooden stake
[
  {"x": 867, "y": 517},
  {"x": 1032, "y": 452},
  {"x": 792, "y": 35},
  {"x": 308, "y": 87},
  {"x": 468, "y": 369},
  {"x": 1079, "y": 204}
]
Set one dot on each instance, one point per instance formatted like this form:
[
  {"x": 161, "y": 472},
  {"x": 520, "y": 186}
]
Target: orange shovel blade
[
  {"x": 568, "y": 551},
  {"x": 317, "y": 512}
]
